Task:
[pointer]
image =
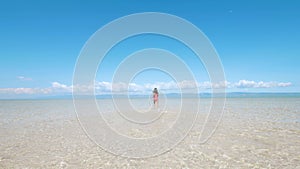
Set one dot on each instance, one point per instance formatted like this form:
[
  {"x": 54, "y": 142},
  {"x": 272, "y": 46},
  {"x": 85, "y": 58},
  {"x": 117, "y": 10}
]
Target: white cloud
[
  {"x": 245, "y": 84},
  {"x": 161, "y": 85},
  {"x": 25, "y": 90},
  {"x": 216, "y": 85},
  {"x": 58, "y": 85},
  {"x": 260, "y": 84},
  {"x": 103, "y": 86},
  {"x": 108, "y": 87},
  {"x": 187, "y": 84},
  {"x": 284, "y": 84},
  {"x": 22, "y": 78},
  {"x": 133, "y": 87},
  {"x": 61, "y": 87},
  {"x": 55, "y": 88},
  {"x": 119, "y": 87}
]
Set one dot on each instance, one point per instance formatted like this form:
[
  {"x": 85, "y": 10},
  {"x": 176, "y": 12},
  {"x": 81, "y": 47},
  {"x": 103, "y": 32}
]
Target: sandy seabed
[{"x": 253, "y": 133}]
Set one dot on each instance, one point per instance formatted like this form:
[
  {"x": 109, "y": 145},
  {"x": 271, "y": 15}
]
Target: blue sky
[{"x": 257, "y": 41}]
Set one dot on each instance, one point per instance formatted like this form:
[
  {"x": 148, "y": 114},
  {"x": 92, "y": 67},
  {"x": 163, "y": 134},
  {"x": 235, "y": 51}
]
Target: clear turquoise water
[{"x": 254, "y": 132}]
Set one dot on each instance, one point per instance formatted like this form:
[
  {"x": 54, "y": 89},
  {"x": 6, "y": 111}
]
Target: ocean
[{"x": 248, "y": 132}]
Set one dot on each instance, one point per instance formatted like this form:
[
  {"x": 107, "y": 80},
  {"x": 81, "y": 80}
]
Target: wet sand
[{"x": 253, "y": 133}]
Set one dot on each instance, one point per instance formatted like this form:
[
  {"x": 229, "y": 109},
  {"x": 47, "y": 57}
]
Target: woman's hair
[{"x": 155, "y": 90}]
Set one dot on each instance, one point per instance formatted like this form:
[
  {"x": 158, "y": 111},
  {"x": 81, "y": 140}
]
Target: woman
[{"x": 155, "y": 97}]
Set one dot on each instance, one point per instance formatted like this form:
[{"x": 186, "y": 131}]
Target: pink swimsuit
[{"x": 155, "y": 96}]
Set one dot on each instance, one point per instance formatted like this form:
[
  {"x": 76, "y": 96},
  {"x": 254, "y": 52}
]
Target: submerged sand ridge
[{"x": 253, "y": 133}]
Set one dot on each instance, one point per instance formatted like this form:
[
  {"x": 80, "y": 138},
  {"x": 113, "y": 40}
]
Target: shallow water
[{"x": 253, "y": 133}]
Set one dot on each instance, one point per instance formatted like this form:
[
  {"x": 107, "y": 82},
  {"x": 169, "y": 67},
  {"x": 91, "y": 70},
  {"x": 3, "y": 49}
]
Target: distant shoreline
[{"x": 169, "y": 95}]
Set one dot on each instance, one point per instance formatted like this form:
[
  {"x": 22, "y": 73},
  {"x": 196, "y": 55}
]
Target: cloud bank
[
  {"x": 108, "y": 87},
  {"x": 260, "y": 84}
]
